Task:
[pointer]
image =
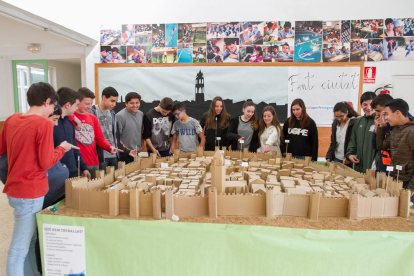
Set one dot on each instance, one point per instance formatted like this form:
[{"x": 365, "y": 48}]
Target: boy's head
[
  {"x": 179, "y": 110},
  {"x": 43, "y": 95},
  {"x": 287, "y": 26},
  {"x": 132, "y": 102},
  {"x": 285, "y": 48},
  {"x": 396, "y": 112},
  {"x": 365, "y": 102},
  {"x": 86, "y": 98},
  {"x": 378, "y": 103},
  {"x": 231, "y": 44},
  {"x": 115, "y": 51},
  {"x": 166, "y": 106},
  {"x": 68, "y": 100},
  {"x": 109, "y": 97},
  {"x": 54, "y": 117}
]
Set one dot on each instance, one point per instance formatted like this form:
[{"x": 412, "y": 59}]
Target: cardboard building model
[{"x": 237, "y": 183}]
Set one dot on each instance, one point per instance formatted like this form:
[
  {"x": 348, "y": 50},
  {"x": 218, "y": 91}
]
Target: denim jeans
[
  {"x": 109, "y": 162},
  {"x": 21, "y": 259}
]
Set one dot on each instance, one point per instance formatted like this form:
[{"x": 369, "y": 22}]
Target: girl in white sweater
[{"x": 269, "y": 132}]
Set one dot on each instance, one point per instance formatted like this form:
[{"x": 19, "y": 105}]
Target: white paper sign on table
[
  {"x": 241, "y": 141},
  {"x": 245, "y": 164},
  {"x": 164, "y": 165},
  {"x": 390, "y": 168},
  {"x": 287, "y": 141},
  {"x": 398, "y": 167},
  {"x": 227, "y": 162},
  {"x": 64, "y": 250},
  {"x": 218, "y": 138}
]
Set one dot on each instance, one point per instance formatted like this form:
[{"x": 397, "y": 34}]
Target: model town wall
[{"x": 233, "y": 183}]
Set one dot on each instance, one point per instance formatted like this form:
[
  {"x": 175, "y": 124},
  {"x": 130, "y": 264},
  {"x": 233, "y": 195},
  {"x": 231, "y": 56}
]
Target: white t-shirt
[{"x": 340, "y": 140}]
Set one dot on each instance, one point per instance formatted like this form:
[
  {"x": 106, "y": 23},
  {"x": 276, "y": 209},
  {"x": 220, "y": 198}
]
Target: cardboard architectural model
[{"x": 233, "y": 183}]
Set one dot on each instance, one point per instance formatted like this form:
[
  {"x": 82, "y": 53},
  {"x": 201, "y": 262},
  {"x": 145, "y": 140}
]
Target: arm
[
  {"x": 3, "y": 145},
  {"x": 332, "y": 146},
  {"x": 351, "y": 150},
  {"x": 285, "y": 135},
  {"x": 172, "y": 146},
  {"x": 48, "y": 156},
  {"x": 272, "y": 138},
  {"x": 232, "y": 132},
  {"x": 99, "y": 137},
  {"x": 314, "y": 141},
  {"x": 121, "y": 124},
  {"x": 382, "y": 142},
  {"x": 202, "y": 138}
]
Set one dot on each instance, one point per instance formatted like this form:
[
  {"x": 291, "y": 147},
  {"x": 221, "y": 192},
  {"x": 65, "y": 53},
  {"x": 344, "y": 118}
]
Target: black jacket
[
  {"x": 331, "y": 151},
  {"x": 212, "y": 134},
  {"x": 302, "y": 142},
  {"x": 233, "y": 137}
]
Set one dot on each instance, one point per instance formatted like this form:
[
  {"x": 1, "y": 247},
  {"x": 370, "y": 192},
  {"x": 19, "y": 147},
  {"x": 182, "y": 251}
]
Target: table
[
  {"x": 375, "y": 56},
  {"x": 338, "y": 58},
  {"x": 150, "y": 247}
]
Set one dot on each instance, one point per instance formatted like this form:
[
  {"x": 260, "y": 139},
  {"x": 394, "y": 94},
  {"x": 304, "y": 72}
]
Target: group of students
[
  {"x": 63, "y": 135},
  {"x": 376, "y": 140}
]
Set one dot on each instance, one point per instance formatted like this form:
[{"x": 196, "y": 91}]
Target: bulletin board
[{"x": 320, "y": 85}]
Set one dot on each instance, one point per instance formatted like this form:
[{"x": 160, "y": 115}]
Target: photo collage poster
[{"x": 259, "y": 41}]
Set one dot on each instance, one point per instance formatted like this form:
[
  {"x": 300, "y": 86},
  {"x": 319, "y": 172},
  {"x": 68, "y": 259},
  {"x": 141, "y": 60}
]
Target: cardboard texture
[
  {"x": 333, "y": 207},
  {"x": 191, "y": 206},
  {"x": 113, "y": 203},
  {"x": 314, "y": 202},
  {"x": 169, "y": 203},
  {"x": 156, "y": 203},
  {"x": 241, "y": 205},
  {"x": 127, "y": 190},
  {"x": 134, "y": 211},
  {"x": 296, "y": 206}
]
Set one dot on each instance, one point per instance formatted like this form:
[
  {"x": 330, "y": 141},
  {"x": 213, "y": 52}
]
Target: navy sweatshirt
[{"x": 65, "y": 131}]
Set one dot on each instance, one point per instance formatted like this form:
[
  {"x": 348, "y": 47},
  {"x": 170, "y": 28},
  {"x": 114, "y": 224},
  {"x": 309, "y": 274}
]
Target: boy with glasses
[{"x": 186, "y": 129}]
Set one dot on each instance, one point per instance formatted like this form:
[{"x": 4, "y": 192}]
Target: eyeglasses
[
  {"x": 339, "y": 117},
  {"x": 178, "y": 114}
]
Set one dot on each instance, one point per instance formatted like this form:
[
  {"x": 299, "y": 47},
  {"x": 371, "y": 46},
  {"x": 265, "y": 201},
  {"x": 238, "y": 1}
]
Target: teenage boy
[
  {"x": 400, "y": 141},
  {"x": 383, "y": 156},
  {"x": 104, "y": 112},
  {"x": 157, "y": 128},
  {"x": 27, "y": 139},
  {"x": 360, "y": 150},
  {"x": 65, "y": 131},
  {"x": 186, "y": 129},
  {"x": 90, "y": 133},
  {"x": 129, "y": 122}
]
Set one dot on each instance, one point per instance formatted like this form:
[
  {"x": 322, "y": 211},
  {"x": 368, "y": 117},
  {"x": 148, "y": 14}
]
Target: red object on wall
[{"x": 370, "y": 74}]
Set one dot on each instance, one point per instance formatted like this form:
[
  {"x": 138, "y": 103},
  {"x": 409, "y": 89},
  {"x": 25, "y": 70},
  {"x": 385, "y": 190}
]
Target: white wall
[
  {"x": 67, "y": 74},
  {"x": 165, "y": 11}
]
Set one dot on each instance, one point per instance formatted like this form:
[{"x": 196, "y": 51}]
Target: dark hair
[
  {"x": 304, "y": 117},
  {"x": 285, "y": 45},
  {"x": 287, "y": 24},
  {"x": 39, "y": 92},
  {"x": 367, "y": 96},
  {"x": 57, "y": 111},
  {"x": 381, "y": 100},
  {"x": 248, "y": 103},
  {"x": 345, "y": 107},
  {"x": 109, "y": 92},
  {"x": 178, "y": 106},
  {"x": 231, "y": 40},
  {"x": 260, "y": 49},
  {"x": 85, "y": 92},
  {"x": 398, "y": 104},
  {"x": 67, "y": 95},
  {"x": 132, "y": 95},
  {"x": 249, "y": 25},
  {"x": 106, "y": 48},
  {"x": 115, "y": 49},
  {"x": 167, "y": 104},
  {"x": 270, "y": 25},
  {"x": 388, "y": 21},
  {"x": 225, "y": 117}
]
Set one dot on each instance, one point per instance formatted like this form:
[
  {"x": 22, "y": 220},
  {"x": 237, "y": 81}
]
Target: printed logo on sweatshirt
[
  {"x": 372, "y": 128},
  {"x": 86, "y": 135},
  {"x": 298, "y": 131}
]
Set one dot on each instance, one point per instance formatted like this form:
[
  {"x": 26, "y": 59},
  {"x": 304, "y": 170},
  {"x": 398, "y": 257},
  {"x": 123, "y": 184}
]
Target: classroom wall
[{"x": 67, "y": 74}]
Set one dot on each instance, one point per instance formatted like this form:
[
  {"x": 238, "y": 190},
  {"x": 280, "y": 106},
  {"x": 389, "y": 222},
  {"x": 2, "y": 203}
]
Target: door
[{"x": 25, "y": 73}]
